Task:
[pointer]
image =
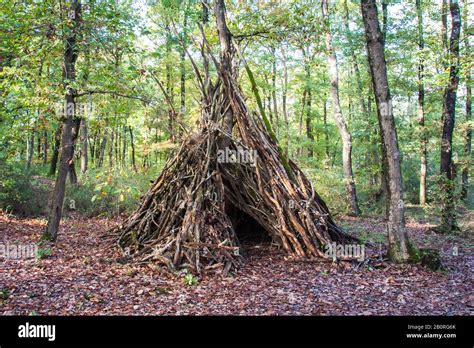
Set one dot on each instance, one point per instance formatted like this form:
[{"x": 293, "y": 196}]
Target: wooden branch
[{"x": 267, "y": 123}]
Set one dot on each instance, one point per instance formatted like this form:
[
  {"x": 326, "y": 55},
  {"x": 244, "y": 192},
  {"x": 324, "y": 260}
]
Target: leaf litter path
[{"x": 83, "y": 276}]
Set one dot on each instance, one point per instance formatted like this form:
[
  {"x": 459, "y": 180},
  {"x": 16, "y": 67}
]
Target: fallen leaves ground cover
[{"x": 84, "y": 275}]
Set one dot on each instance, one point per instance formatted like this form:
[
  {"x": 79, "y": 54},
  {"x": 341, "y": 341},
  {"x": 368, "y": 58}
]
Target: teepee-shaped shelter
[{"x": 232, "y": 165}]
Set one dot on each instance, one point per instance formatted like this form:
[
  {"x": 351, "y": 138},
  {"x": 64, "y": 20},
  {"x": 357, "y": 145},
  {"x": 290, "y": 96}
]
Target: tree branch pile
[{"x": 184, "y": 220}]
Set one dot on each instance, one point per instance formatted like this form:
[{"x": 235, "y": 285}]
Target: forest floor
[{"x": 83, "y": 276}]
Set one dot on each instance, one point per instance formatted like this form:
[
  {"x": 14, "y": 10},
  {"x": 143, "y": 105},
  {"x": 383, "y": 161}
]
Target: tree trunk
[
  {"x": 45, "y": 146},
  {"x": 447, "y": 170},
  {"x": 69, "y": 75},
  {"x": 275, "y": 108},
  {"x": 93, "y": 147},
  {"x": 134, "y": 165},
  {"x": 283, "y": 101},
  {"x": 309, "y": 127},
  {"x": 111, "y": 149},
  {"x": 54, "y": 158},
  {"x": 205, "y": 11},
  {"x": 226, "y": 55},
  {"x": 339, "y": 119},
  {"x": 307, "y": 106},
  {"x": 421, "y": 105},
  {"x": 444, "y": 29},
  {"x": 182, "y": 89},
  {"x": 74, "y": 134},
  {"x": 31, "y": 149},
  {"x": 399, "y": 248},
  {"x": 169, "y": 85},
  {"x": 326, "y": 133},
  {"x": 360, "y": 91},
  {"x": 124, "y": 147},
  {"x": 183, "y": 70},
  {"x": 269, "y": 104},
  {"x": 384, "y": 20},
  {"x": 300, "y": 122},
  {"x": 117, "y": 144},
  {"x": 38, "y": 144},
  {"x": 103, "y": 144},
  {"x": 84, "y": 140},
  {"x": 468, "y": 134}
]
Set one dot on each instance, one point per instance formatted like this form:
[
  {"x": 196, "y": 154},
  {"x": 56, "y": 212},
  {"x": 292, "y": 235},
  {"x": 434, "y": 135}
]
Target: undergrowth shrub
[
  {"x": 17, "y": 192},
  {"x": 107, "y": 193}
]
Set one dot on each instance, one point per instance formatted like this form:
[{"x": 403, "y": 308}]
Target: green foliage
[
  {"x": 107, "y": 193},
  {"x": 329, "y": 183},
  {"x": 190, "y": 280},
  {"x": 15, "y": 189},
  {"x": 438, "y": 193},
  {"x": 4, "y": 293},
  {"x": 43, "y": 253}
]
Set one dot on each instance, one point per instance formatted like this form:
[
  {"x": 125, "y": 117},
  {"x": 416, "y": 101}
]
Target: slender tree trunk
[
  {"x": 183, "y": 71},
  {"x": 84, "y": 140},
  {"x": 38, "y": 144},
  {"x": 300, "y": 121},
  {"x": 169, "y": 84},
  {"x": 124, "y": 147},
  {"x": 45, "y": 146},
  {"x": 447, "y": 170},
  {"x": 103, "y": 144},
  {"x": 117, "y": 144},
  {"x": 307, "y": 106},
  {"x": 205, "y": 11},
  {"x": 111, "y": 149},
  {"x": 377, "y": 179},
  {"x": 421, "y": 104},
  {"x": 339, "y": 119},
  {"x": 360, "y": 91},
  {"x": 31, "y": 149},
  {"x": 93, "y": 147},
  {"x": 350, "y": 106},
  {"x": 72, "y": 173},
  {"x": 309, "y": 127},
  {"x": 69, "y": 75},
  {"x": 267, "y": 101},
  {"x": 326, "y": 132},
  {"x": 226, "y": 55},
  {"x": 283, "y": 101},
  {"x": 399, "y": 248},
  {"x": 468, "y": 134},
  {"x": 55, "y": 157},
  {"x": 134, "y": 165},
  {"x": 275, "y": 103},
  {"x": 444, "y": 29},
  {"x": 384, "y": 20},
  {"x": 384, "y": 35},
  {"x": 74, "y": 134},
  {"x": 182, "y": 89}
]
